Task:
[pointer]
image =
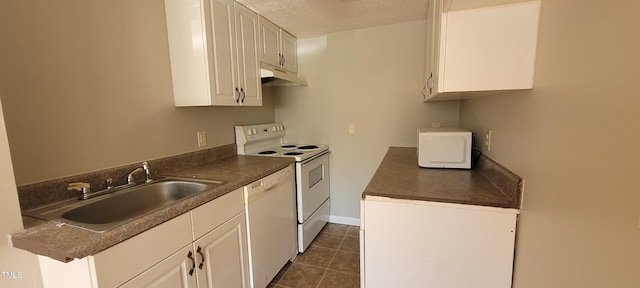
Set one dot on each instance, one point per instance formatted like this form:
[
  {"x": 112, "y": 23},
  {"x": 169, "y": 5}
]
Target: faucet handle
[
  {"x": 108, "y": 183},
  {"x": 147, "y": 171},
  {"x": 79, "y": 186}
]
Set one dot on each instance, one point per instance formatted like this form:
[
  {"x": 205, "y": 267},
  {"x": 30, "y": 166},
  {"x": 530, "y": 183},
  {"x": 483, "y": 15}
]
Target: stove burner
[
  {"x": 288, "y": 146},
  {"x": 308, "y": 147},
  {"x": 267, "y": 152},
  {"x": 293, "y": 153}
]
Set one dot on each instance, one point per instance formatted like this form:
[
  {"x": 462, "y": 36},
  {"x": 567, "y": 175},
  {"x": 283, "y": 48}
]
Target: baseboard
[{"x": 344, "y": 220}]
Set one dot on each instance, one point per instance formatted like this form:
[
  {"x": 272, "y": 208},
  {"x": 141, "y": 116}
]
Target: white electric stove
[{"x": 312, "y": 173}]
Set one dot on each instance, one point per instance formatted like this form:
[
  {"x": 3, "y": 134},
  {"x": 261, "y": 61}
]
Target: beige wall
[
  {"x": 574, "y": 138},
  {"x": 87, "y": 86},
  {"x": 370, "y": 77}
]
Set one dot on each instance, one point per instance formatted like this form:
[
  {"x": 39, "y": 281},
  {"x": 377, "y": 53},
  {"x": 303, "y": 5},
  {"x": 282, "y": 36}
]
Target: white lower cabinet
[
  {"x": 206, "y": 247},
  {"x": 223, "y": 253},
  {"x": 172, "y": 272},
  {"x": 406, "y": 243}
]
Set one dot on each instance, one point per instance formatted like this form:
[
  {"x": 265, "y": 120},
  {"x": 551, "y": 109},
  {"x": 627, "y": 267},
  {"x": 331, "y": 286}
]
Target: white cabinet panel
[
  {"x": 479, "y": 49},
  {"x": 269, "y": 43},
  {"x": 187, "y": 34},
  {"x": 248, "y": 59},
  {"x": 223, "y": 255},
  {"x": 172, "y": 272},
  {"x": 491, "y": 48},
  {"x": 430, "y": 245},
  {"x": 223, "y": 51},
  {"x": 289, "y": 52}
]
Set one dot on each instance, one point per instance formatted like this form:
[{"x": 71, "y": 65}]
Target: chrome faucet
[
  {"x": 130, "y": 179},
  {"x": 85, "y": 188},
  {"x": 147, "y": 172}
]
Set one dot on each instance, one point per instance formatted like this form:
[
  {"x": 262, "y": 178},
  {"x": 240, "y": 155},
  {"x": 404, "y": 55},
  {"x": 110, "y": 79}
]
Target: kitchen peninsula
[{"x": 447, "y": 227}]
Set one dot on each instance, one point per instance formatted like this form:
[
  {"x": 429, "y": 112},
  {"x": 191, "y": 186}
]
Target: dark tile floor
[{"x": 332, "y": 260}]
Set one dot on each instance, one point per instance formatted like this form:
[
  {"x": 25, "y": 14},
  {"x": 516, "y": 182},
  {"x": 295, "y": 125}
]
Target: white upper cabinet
[
  {"x": 248, "y": 60},
  {"x": 213, "y": 52},
  {"x": 479, "y": 49},
  {"x": 269, "y": 42},
  {"x": 289, "y": 52},
  {"x": 278, "y": 48}
]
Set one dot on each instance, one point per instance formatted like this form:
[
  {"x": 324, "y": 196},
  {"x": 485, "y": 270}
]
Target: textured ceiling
[{"x": 306, "y": 18}]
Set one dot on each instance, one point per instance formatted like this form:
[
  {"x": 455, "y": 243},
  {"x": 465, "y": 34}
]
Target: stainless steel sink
[{"x": 105, "y": 212}]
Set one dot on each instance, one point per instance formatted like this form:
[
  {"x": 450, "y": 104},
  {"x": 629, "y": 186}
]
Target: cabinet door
[
  {"x": 172, "y": 272},
  {"x": 289, "y": 52},
  {"x": 431, "y": 245},
  {"x": 223, "y": 76},
  {"x": 491, "y": 48},
  {"x": 248, "y": 62},
  {"x": 127, "y": 259},
  {"x": 432, "y": 55},
  {"x": 269, "y": 43},
  {"x": 222, "y": 255}
]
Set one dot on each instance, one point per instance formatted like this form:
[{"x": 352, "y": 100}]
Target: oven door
[{"x": 312, "y": 185}]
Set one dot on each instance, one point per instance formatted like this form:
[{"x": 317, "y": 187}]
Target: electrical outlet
[
  {"x": 202, "y": 138},
  {"x": 352, "y": 128},
  {"x": 487, "y": 141}
]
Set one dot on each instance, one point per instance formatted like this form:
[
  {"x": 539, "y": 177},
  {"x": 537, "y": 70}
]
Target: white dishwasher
[{"x": 271, "y": 221}]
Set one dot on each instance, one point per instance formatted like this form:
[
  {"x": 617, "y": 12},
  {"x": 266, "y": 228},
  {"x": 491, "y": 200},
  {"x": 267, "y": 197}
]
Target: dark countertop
[
  {"x": 487, "y": 184},
  {"x": 66, "y": 242}
]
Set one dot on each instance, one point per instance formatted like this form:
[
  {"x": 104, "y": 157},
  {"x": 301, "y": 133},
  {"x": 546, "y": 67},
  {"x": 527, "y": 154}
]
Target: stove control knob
[
  {"x": 249, "y": 132},
  {"x": 254, "y": 131},
  {"x": 273, "y": 129}
]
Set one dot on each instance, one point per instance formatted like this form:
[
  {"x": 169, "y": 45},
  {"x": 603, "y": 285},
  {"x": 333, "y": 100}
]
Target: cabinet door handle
[
  {"x": 193, "y": 263},
  {"x": 430, "y": 82},
  {"x": 244, "y": 95},
  {"x": 238, "y": 92},
  {"x": 199, "y": 251}
]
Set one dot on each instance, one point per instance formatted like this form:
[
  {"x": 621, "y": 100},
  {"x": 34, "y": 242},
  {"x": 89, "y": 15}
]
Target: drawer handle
[
  {"x": 201, "y": 255},
  {"x": 193, "y": 262}
]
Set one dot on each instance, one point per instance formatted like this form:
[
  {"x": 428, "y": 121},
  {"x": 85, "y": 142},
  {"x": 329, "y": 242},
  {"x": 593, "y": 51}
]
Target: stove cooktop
[
  {"x": 300, "y": 152},
  {"x": 268, "y": 139}
]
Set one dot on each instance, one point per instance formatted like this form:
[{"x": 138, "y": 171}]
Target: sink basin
[{"x": 108, "y": 211}]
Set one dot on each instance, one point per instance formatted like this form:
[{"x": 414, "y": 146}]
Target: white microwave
[{"x": 444, "y": 148}]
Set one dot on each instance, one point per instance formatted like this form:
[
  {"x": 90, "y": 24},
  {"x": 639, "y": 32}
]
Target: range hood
[{"x": 275, "y": 76}]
